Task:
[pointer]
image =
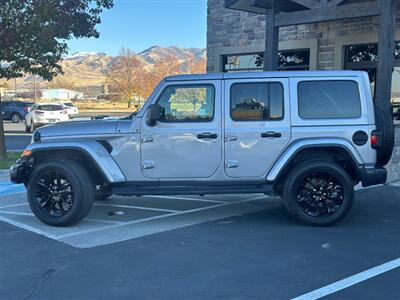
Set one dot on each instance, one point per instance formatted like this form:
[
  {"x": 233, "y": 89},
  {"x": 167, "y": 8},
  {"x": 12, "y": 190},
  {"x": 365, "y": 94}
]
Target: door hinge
[
  {"x": 147, "y": 139},
  {"x": 148, "y": 164},
  {"x": 232, "y": 164},
  {"x": 231, "y": 138}
]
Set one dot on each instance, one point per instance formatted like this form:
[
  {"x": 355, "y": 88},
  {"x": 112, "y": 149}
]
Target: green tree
[{"x": 33, "y": 35}]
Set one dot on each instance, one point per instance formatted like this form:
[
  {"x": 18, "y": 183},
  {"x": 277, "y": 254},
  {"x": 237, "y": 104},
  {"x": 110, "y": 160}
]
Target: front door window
[{"x": 187, "y": 104}]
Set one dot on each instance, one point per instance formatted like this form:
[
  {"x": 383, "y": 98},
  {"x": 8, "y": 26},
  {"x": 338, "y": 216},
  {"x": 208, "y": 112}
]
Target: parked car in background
[
  {"x": 15, "y": 110},
  {"x": 396, "y": 111},
  {"x": 43, "y": 114},
  {"x": 72, "y": 110}
]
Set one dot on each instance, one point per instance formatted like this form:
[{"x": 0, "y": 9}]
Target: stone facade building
[{"x": 236, "y": 42}]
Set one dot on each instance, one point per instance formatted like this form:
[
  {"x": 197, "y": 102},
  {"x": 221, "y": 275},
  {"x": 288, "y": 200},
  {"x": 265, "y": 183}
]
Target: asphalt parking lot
[{"x": 213, "y": 247}]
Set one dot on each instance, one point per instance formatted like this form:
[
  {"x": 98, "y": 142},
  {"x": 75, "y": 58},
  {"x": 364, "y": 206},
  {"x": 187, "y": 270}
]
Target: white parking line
[
  {"x": 27, "y": 227},
  {"x": 14, "y": 205},
  {"x": 103, "y": 221},
  {"x": 17, "y": 213},
  {"x": 60, "y": 237},
  {"x": 350, "y": 281},
  {"x": 189, "y": 199},
  {"x": 137, "y": 207}
]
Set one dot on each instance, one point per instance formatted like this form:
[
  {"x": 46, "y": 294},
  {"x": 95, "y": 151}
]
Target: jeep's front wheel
[
  {"x": 60, "y": 192},
  {"x": 318, "y": 192}
]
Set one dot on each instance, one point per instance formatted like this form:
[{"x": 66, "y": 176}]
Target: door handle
[
  {"x": 207, "y": 135},
  {"x": 271, "y": 134}
]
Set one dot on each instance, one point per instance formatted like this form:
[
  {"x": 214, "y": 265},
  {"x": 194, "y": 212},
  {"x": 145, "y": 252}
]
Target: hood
[{"x": 74, "y": 128}]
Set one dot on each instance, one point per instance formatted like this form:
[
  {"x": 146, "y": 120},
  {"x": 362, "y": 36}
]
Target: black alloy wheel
[
  {"x": 320, "y": 195},
  {"x": 60, "y": 192},
  {"x": 318, "y": 192},
  {"x": 54, "y": 194}
]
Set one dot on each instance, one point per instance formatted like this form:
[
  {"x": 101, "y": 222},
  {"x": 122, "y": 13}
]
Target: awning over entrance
[
  {"x": 294, "y": 12},
  {"x": 261, "y": 6}
]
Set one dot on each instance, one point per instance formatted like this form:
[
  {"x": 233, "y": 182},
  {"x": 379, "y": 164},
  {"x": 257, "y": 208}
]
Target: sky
[{"x": 140, "y": 24}]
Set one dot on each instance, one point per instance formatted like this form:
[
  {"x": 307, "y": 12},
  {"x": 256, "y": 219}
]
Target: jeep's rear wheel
[
  {"x": 318, "y": 193},
  {"x": 60, "y": 193}
]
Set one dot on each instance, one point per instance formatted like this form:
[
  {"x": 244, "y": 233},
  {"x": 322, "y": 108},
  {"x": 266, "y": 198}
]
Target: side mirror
[{"x": 153, "y": 114}]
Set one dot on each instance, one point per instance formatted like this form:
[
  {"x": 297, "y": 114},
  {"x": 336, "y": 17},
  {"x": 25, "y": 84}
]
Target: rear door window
[
  {"x": 261, "y": 101},
  {"x": 329, "y": 99}
]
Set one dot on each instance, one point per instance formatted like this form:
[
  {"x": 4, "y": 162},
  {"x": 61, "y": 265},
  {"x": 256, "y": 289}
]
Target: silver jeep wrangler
[{"x": 309, "y": 137}]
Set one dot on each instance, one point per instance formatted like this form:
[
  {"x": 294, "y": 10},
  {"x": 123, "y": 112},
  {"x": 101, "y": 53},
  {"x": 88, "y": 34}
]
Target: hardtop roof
[{"x": 275, "y": 74}]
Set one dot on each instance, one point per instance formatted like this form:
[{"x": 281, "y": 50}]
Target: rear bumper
[{"x": 372, "y": 176}]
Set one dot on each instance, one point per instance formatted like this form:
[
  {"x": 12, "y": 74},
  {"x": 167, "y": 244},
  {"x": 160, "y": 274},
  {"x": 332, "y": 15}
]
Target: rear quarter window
[{"x": 329, "y": 99}]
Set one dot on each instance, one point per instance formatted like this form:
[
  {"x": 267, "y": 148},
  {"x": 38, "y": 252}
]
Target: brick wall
[{"x": 230, "y": 28}]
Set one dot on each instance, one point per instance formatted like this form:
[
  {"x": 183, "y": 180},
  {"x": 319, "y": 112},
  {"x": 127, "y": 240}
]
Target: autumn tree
[
  {"x": 196, "y": 65},
  {"x": 152, "y": 76},
  {"x": 33, "y": 35},
  {"x": 124, "y": 74}
]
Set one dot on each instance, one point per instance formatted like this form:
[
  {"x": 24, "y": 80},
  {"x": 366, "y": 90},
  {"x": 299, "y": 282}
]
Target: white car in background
[
  {"x": 72, "y": 110},
  {"x": 43, "y": 114}
]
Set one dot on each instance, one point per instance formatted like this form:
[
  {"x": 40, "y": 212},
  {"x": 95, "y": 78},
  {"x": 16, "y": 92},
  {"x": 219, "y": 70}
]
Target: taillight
[
  {"x": 64, "y": 112},
  {"x": 39, "y": 112},
  {"x": 26, "y": 109},
  {"x": 375, "y": 139}
]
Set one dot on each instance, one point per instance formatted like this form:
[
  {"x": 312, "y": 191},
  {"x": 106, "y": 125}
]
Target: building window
[
  {"x": 191, "y": 103},
  {"x": 329, "y": 99},
  {"x": 287, "y": 59},
  {"x": 364, "y": 57},
  {"x": 259, "y": 101}
]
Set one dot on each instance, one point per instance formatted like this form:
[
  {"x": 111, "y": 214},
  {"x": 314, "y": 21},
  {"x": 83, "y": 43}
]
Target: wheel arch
[
  {"x": 341, "y": 152},
  {"x": 91, "y": 154}
]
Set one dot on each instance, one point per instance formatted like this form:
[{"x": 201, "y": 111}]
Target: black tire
[
  {"x": 384, "y": 124},
  {"x": 33, "y": 127},
  {"x": 80, "y": 187},
  {"x": 16, "y": 118},
  {"x": 27, "y": 128},
  {"x": 298, "y": 184}
]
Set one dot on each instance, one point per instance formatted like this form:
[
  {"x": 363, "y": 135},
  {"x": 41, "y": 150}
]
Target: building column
[
  {"x": 387, "y": 22},
  {"x": 271, "y": 42}
]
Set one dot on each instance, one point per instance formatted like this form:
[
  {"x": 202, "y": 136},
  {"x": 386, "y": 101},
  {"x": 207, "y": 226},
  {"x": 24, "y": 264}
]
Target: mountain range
[{"x": 85, "y": 69}]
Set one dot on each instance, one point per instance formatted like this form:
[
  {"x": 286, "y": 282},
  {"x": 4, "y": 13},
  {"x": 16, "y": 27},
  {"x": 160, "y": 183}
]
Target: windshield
[
  {"x": 68, "y": 104},
  {"x": 50, "y": 107}
]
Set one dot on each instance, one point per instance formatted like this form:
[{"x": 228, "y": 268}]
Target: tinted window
[
  {"x": 50, "y": 107},
  {"x": 68, "y": 104},
  {"x": 329, "y": 99},
  {"x": 194, "y": 103},
  {"x": 257, "y": 101}
]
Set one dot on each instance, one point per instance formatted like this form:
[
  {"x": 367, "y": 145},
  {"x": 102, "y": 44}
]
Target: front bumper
[
  {"x": 372, "y": 176},
  {"x": 19, "y": 172}
]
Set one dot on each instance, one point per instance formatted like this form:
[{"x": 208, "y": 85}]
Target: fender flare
[
  {"x": 93, "y": 150},
  {"x": 294, "y": 148}
]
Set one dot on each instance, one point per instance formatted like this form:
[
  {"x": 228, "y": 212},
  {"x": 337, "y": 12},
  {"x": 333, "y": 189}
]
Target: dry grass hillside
[{"x": 85, "y": 69}]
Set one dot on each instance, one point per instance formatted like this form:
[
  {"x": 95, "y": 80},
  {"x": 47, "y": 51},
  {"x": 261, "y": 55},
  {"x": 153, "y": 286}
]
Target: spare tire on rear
[{"x": 385, "y": 127}]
